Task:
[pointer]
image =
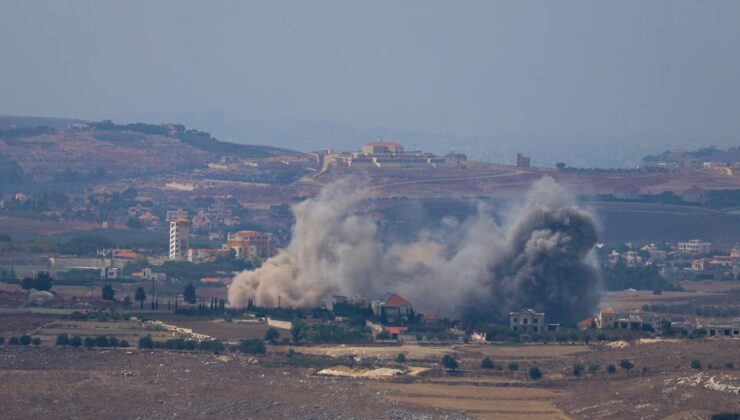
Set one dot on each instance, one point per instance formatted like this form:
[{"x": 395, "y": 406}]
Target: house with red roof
[{"x": 393, "y": 307}]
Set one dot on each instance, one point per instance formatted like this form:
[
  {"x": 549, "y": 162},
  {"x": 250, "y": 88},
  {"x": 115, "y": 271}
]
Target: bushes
[
  {"x": 272, "y": 335},
  {"x": 487, "y": 363},
  {"x": 14, "y": 341},
  {"x": 626, "y": 364},
  {"x": 593, "y": 368},
  {"x": 330, "y": 333},
  {"x": 36, "y": 341},
  {"x": 75, "y": 341},
  {"x": 577, "y": 369},
  {"x": 25, "y": 340},
  {"x": 449, "y": 362},
  {"x": 62, "y": 340},
  {"x": 252, "y": 346},
  {"x": 611, "y": 368},
  {"x": 695, "y": 364},
  {"x": 513, "y": 366},
  {"x": 401, "y": 358},
  {"x": 535, "y": 373},
  {"x": 146, "y": 342}
]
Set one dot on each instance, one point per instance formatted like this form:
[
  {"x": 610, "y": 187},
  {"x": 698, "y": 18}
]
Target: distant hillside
[{"x": 59, "y": 150}]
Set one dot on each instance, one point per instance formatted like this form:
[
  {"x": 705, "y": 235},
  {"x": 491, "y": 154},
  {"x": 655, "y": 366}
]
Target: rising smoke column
[{"x": 538, "y": 257}]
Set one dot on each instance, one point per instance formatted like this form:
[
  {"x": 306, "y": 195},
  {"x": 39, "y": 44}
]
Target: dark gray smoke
[{"x": 538, "y": 257}]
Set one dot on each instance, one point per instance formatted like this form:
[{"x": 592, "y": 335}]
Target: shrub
[
  {"x": 102, "y": 341},
  {"x": 401, "y": 358},
  {"x": 252, "y": 346},
  {"x": 487, "y": 363},
  {"x": 726, "y": 416},
  {"x": 36, "y": 341},
  {"x": 25, "y": 340},
  {"x": 695, "y": 364},
  {"x": 611, "y": 368},
  {"x": 577, "y": 369},
  {"x": 535, "y": 373},
  {"x": 75, "y": 341},
  {"x": 146, "y": 342},
  {"x": 89, "y": 342},
  {"x": 449, "y": 362},
  {"x": 62, "y": 340},
  {"x": 113, "y": 341},
  {"x": 272, "y": 335},
  {"x": 593, "y": 368},
  {"x": 513, "y": 366},
  {"x": 626, "y": 364},
  {"x": 2, "y": 340},
  {"x": 601, "y": 337},
  {"x": 14, "y": 341},
  {"x": 124, "y": 344},
  {"x": 730, "y": 365},
  {"x": 291, "y": 353}
]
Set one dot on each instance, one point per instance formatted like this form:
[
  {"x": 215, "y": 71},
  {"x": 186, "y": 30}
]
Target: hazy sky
[{"x": 472, "y": 67}]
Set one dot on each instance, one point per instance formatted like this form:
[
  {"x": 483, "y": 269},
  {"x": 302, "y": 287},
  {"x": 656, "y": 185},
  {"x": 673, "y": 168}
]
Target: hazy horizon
[{"x": 473, "y": 76}]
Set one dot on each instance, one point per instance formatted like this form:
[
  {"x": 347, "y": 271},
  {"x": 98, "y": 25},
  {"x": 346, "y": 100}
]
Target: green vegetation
[
  {"x": 188, "y": 294},
  {"x": 487, "y": 363},
  {"x": 330, "y": 333},
  {"x": 695, "y": 364},
  {"x": 449, "y": 362},
  {"x": 621, "y": 277},
  {"x": 140, "y": 296},
  {"x": 535, "y": 373},
  {"x": 401, "y": 358},
  {"x": 252, "y": 346},
  {"x": 272, "y": 335},
  {"x": 108, "y": 292},
  {"x": 577, "y": 369},
  {"x": 146, "y": 342},
  {"x": 25, "y": 340},
  {"x": 611, "y": 368},
  {"x": 513, "y": 366},
  {"x": 593, "y": 367},
  {"x": 626, "y": 364}
]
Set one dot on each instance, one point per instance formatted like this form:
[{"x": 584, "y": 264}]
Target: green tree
[
  {"x": 14, "y": 341},
  {"x": 449, "y": 362},
  {"x": 27, "y": 283},
  {"x": 43, "y": 281},
  {"x": 25, "y": 340},
  {"x": 108, "y": 292},
  {"x": 188, "y": 294},
  {"x": 626, "y": 364},
  {"x": 102, "y": 341},
  {"x": 611, "y": 368},
  {"x": 535, "y": 373},
  {"x": 272, "y": 335},
  {"x": 593, "y": 367},
  {"x": 146, "y": 342},
  {"x": 577, "y": 369},
  {"x": 252, "y": 346},
  {"x": 89, "y": 342},
  {"x": 62, "y": 340},
  {"x": 513, "y": 366},
  {"x": 401, "y": 358},
  {"x": 695, "y": 364},
  {"x": 75, "y": 341},
  {"x": 127, "y": 302},
  {"x": 36, "y": 341},
  {"x": 140, "y": 296},
  {"x": 487, "y": 363}
]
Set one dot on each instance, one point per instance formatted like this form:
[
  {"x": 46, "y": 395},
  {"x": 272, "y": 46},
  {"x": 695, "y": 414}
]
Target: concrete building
[
  {"x": 723, "y": 330},
  {"x": 527, "y": 321},
  {"x": 248, "y": 244},
  {"x": 179, "y": 239},
  {"x": 695, "y": 247},
  {"x": 382, "y": 147},
  {"x": 205, "y": 255},
  {"x": 695, "y": 195},
  {"x": 522, "y": 161},
  {"x": 174, "y": 214},
  {"x": 393, "y": 307}
]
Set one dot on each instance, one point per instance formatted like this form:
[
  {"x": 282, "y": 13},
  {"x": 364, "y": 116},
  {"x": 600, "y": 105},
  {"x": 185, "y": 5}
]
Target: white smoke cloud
[{"x": 537, "y": 257}]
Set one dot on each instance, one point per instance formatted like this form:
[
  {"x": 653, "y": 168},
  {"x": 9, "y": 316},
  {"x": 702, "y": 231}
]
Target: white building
[
  {"x": 695, "y": 247},
  {"x": 179, "y": 233},
  {"x": 527, "y": 320}
]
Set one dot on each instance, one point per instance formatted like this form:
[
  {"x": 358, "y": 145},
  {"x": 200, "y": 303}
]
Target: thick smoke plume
[{"x": 538, "y": 257}]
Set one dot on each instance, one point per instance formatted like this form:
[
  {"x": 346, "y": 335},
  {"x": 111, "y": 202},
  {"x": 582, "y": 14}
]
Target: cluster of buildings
[
  {"x": 244, "y": 245},
  {"x": 382, "y": 154}
]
